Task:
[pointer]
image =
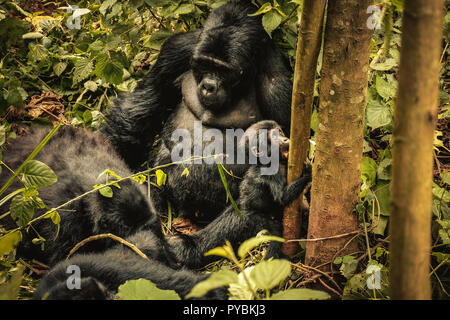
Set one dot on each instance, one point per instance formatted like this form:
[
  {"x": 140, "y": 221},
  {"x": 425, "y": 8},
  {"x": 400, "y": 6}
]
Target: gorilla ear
[{"x": 255, "y": 152}]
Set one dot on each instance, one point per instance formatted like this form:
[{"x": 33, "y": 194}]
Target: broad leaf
[
  {"x": 22, "y": 209},
  {"x": 300, "y": 294},
  {"x": 82, "y": 70},
  {"x": 9, "y": 241},
  {"x": 38, "y": 174},
  {"x": 268, "y": 274},
  {"x": 143, "y": 289},
  {"x": 271, "y": 20},
  {"x": 216, "y": 280}
]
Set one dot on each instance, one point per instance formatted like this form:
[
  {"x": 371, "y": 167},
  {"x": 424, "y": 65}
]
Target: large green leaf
[
  {"x": 9, "y": 241},
  {"x": 143, "y": 289},
  {"x": 216, "y": 280},
  {"x": 271, "y": 20},
  {"x": 268, "y": 274},
  {"x": 300, "y": 294},
  {"x": 384, "y": 88},
  {"x": 377, "y": 114},
  {"x": 22, "y": 209},
  {"x": 82, "y": 70},
  {"x": 38, "y": 174}
]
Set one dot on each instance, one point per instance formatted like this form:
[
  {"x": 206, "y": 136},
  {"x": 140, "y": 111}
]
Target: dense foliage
[{"x": 52, "y": 70}]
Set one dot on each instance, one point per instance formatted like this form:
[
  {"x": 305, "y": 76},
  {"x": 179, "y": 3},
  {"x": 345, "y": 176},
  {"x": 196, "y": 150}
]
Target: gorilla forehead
[{"x": 231, "y": 35}]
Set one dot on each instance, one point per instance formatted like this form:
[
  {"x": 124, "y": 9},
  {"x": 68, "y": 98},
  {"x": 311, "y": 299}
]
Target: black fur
[
  {"x": 229, "y": 74},
  {"x": 262, "y": 199},
  {"x": 77, "y": 157},
  {"x": 102, "y": 273}
]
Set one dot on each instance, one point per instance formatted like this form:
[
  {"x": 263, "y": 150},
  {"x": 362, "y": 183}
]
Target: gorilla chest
[{"x": 195, "y": 187}]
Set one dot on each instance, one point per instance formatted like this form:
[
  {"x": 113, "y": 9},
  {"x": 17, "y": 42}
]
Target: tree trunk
[
  {"x": 412, "y": 169},
  {"x": 337, "y": 165},
  {"x": 308, "y": 48}
]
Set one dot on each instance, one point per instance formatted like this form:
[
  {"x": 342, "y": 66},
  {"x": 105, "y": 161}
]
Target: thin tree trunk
[
  {"x": 308, "y": 49},
  {"x": 337, "y": 165},
  {"x": 412, "y": 172}
]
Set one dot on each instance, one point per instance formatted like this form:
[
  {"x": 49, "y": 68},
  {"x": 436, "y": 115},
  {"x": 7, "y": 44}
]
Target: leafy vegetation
[{"x": 52, "y": 72}]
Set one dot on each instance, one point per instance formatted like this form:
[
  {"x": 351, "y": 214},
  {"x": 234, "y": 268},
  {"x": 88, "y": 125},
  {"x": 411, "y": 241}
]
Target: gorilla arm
[{"x": 136, "y": 118}]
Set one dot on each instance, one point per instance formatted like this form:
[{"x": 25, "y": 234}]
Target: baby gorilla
[
  {"x": 262, "y": 199},
  {"x": 101, "y": 274},
  {"x": 78, "y": 157}
]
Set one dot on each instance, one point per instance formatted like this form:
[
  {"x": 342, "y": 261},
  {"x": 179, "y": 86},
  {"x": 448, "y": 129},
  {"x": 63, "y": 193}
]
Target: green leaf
[
  {"x": 384, "y": 88},
  {"x": 251, "y": 243},
  {"x": 219, "y": 251},
  {"x": 9, "y": 241},
  {"x": 243, "y": 290},
  {"x": 38, "y": 174},
  {"x": 106, "y": 192},
  {"x": 384, "y": 169},
  {"x": 300, "y": 294},
  {"x": 9, "y": 290},
  {"x": 22, "y": 209},
  {"x": 266, "y": 7},
  {"x": 271, "y": 20},
  {"x": 106, "y": 5},
  {"x": 113, "y": 72},
  {"x": 184, "y": 173},
  {"x": 161, "y": 177},
  {"x": 441, "y": 193},
  {"x": 82, "y": 70},
  {"x": 143, "y": 289},
  {"x": 268, "y": 274},
  {"x": 55, "y": 217},
  {"x": 91, "y": 85},
  {"x": 156, "y": 40},
  {"x": 445, "y": 177},
  {"x": 185, "y": 9},
  {"x": 383, "y": 195},
  {"x": 216, "y": 280},
  {"x": 14, "y": 98},
  {"x": 32, "y": 35},
  {"x": 348, "y": 266},
  {"x": 377, "y": 114},
  {"x": 385, "y": 66},
  {"x": 369, "y": 170},
  {"x": 59, "y": 68}
]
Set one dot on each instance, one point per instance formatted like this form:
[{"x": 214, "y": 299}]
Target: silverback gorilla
[{"x": 228, "y": 74}]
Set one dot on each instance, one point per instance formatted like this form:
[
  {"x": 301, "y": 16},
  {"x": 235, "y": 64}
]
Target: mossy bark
[
  {"x": 412, "y": 168},
  {"x": 337, "y": 165},
  {"x": 308, "y": 49}
]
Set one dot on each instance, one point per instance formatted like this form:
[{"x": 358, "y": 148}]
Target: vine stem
[{"x": 103, "y": 236}]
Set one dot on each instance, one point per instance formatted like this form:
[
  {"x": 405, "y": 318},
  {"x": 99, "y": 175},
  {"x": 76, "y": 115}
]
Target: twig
[
  {"x": 103, "y": 236},
  {"x": 329, "y": 288}
]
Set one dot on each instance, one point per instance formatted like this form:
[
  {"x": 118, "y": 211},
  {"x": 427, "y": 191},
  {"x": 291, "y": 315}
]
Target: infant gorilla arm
[
  {"x": 102, "y": 273},
  {"x": 262, "y": 199}
]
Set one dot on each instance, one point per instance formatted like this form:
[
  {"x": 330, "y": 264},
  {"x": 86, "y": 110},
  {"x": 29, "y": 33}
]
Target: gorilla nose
[{"x": 208, "y": 87}]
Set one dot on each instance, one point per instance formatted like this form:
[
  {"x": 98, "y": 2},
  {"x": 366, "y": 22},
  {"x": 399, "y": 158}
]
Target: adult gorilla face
[
  {"x": 223, "y": 61},
  {"x": 215, "y": 81}
]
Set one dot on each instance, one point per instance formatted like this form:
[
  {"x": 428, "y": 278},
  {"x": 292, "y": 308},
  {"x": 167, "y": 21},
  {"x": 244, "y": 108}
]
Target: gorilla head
[{"x": 224, "y": 59}]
